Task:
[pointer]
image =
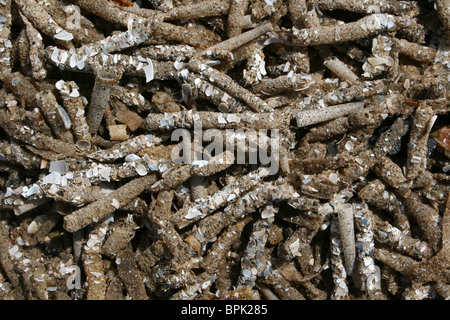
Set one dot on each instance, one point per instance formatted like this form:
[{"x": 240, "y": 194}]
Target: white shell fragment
[
  {"x": 52, "y": 178},
  {"x": 59, "y": 166},
  {"x": 115, "y": 203},
  {"x": 64, "y": 36},
  {"x": 148, "y": 69}
]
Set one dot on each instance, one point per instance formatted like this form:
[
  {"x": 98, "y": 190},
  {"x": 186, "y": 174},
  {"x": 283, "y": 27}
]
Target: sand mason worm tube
[
  {"x": 125, "y": 148},
  {"x": 236, "y": 13},
  {"x": 375, "y": 193},
  {"x": 365, "y": 266},
  {"x": 309, "y": 117},
  {"x": 390, "y": 139},
  {"x": 69, "y": 16},
  {"x": 341, "y": 70},
  {"x": 105, "y": 80},
  {"x": 345, "y": 213},
  {"x": 108, "y": 204},
  {"x": 417, "y": 155},
  {"x": 111, "y": 12},
  {"x": 294, "y": 82},
  {"x": 55, "y": 115},
  {"x": 371, "y": 6},
  {"x": 75, "y": 106},
  {"x": 213, "y": 261},
  {"x": 36, "y": 139},
  {"x": 365, "y": 27},
  {"x": 36, "y": 52},
  {"x": 131, "y": 275},
  {"x": 45, "y": 23},
  {"x": 339, "y": 274},
  {"x": 228, "y": 194},
  {"x": 92, "y": 260},
  {"x": 202, "y": 9},
  {"x": 416, "y": 51},
  {"x": 175, "y": 52},
  {"x": 5, "y": 32},
  {"x": 251, "y": 265},
  {"x": 114, "y": 43},
  {"x": 160, "y": 214},
  {"x": 397, "y": 239},
  {"x": 216, "y": 120},
  {"x": 391, "y": 174},
  {"x": 427, "y": 218},
  {"x": 119, "y": 235},
  {"x": 228, "y": 84},
  {"x": 235, "y": 42},
  {"x": 443, "y": 9},
  {"x": 209, "y": 227}
]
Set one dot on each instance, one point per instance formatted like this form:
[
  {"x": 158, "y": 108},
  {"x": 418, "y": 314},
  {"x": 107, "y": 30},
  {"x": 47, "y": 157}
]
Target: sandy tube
[{"x": 101, "y": 94}]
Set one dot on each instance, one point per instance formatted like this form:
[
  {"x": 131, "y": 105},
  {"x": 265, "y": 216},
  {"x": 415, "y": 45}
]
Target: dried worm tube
[
  {"x": 213, "y": 260},
  {"x": 364, "y": 27},
  {"x": 210, "y": 227},
  {"x": 294, "y": 82},
  {"x": 398, "y": 240},
  {"x": 417, "y": 154},
  {"x": 175, "y": 52},
  {"x": 309, "y": 117},
  {"x": 5, "y": 42},
  {"x": 42, "y": 20},
  {"x": 125, "y": 148},
  {"x": 251, "y": 261},
  {"x": 390, "y": 139},
  {"x": 160, "y": 214},
  {"x": 365, "y": 277},
  {"x": 339, "y": 274},
  {"x": 199, "y": 10},
  {"x": 55, "y": 115},
  {"x": 235, "y": 42},
  {"x": 131, "y": 276},
  {"x": 297, "y": 10},
  {"x": 427, "y": 218},
  {"x": 228, "y": 84},
  {"x": 36, "y": 52},
  {"x": 236, "y": 14},
  {"x": 92, "y": 261},
  {"x": 75, "y": 106},
  {"x": 227, "y": 195},
  {"x": 69, "y": 16},
  {"x": 6, "y": 262},
  {"x": 443, "y": 9},
  {"x": 113, "y": 13},
  {"x": 105, "y": 80},
  {"x": 416, "y": 51},
  {"x": 36, "y": 139},
  {"x": 375, "y": 193},
  {"x": 389, "y": 6},
  {"x": 108, "y": 204},
  {"x": 341, "y": 70},
  {"x": 347, "y": 233},
  {"x": 217, "y": 120},
  {"x": 21, "y": 86}
]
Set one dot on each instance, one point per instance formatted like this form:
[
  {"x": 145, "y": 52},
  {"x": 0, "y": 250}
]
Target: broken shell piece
[
  {"x": 83, "y": 145},
  {"x": 59, "y": 166},
  {"x": 34, "y": 226}
]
